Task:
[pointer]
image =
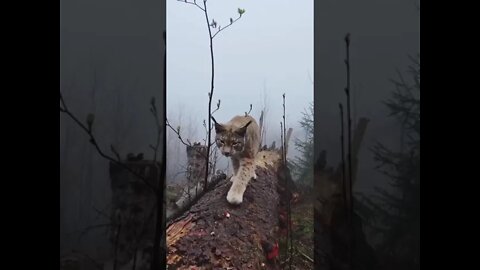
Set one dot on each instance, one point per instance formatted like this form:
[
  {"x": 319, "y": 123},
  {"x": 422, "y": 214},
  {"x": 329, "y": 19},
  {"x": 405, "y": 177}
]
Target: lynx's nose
[{"x": 227, "y": 154}]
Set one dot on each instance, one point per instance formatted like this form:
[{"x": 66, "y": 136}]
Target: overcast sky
[
  {"x": 383, "y": 34},
  {"x": 269, "y": 49},
  {"x": 272, "y": 47}
]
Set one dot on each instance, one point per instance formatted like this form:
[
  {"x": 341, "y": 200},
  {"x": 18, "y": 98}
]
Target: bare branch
[
  {"x": 178, "y": 134},
  {"x": 192, "y": 3},
  {"x": 115, "y": 152},
  {"x": 281, "y": 138},
  {"x": 231, "y": 22},
  {"x": 93, "y": 141},
  {"x": 218, "y": 107},
  {"x": 249, "y": 110},
  {"x": 304, "y": 255},
  {"x": 188, "y": 143},
  {"x": 208, "y": 127},
  {"x": 205, "y": 126},
  {"x": 153, "y": 109},
  {"x": 349, "y": 155}
]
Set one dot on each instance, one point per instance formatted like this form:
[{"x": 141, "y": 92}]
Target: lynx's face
[
  {"x": 230, "y": 143},
  {"x": 229, "y": 140}
]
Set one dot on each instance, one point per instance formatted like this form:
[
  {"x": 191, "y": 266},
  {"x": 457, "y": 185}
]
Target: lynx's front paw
[
  {"x": 235, "y": 194},
  {"x": 234, "y": 197}
]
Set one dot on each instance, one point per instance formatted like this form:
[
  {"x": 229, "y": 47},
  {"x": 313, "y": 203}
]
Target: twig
[
  {"x": 64, "y": 109},
  {"x": 344, "y": 176},
  {"x": 115, "y": 152},
  {"x": 284, "y": 134},
  {"x": 210, "y": 94},
  {"x": 188, "y": 143},
  {"x": 304, "y": 255},
  {"x": 247, "y": 113},
  {"x": 178, "y": 134},
  {"x": 193, "y": 3},
  {"x": 153, "y": 109},
  {"x": 289, "y": 209},
  {"x": 218, "y": 107},
  {"x": 350, "y": 173},
  {"x": 159, "y": 253},
  {"x": 281, "y": 138},
  {"x": 231, "y": 22}
]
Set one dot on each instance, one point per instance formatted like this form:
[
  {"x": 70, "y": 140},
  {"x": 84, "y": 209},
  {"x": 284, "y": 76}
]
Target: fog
[
  {"x": 266, "y": 53},
  {"x": 111, "y": 64},
  {"x": 383, "y": 35}
]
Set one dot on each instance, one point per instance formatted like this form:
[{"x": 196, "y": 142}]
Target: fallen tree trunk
[{"x": 213, "y": 234}]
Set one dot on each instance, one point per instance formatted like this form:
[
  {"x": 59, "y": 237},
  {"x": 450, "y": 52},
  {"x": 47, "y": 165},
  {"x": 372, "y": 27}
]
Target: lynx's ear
[
  {"x": 218, "y": 127},
  {"x": 241, "y": 131}
]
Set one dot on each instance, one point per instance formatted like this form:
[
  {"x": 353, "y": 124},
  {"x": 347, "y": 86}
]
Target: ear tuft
[{"x": 241, "y": 131}]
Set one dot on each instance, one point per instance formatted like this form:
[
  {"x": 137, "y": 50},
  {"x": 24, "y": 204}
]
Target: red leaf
[{"x": 274, "y": 252}]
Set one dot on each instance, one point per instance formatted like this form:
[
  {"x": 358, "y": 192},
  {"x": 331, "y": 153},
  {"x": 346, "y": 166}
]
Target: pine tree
[
  {"x": 302, "y": 165},
  {"x": 396, "y": 212}
]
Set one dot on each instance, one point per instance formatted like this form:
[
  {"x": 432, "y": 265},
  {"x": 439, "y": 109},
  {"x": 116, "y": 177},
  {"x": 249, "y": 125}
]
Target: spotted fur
[{"x": 239, "y": 139}]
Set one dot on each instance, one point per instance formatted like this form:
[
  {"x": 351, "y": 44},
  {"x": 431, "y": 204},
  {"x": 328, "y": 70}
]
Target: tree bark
[{"x": 213, "y": 234}]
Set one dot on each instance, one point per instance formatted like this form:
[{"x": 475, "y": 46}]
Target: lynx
[{"x": 239, "y": 139}]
